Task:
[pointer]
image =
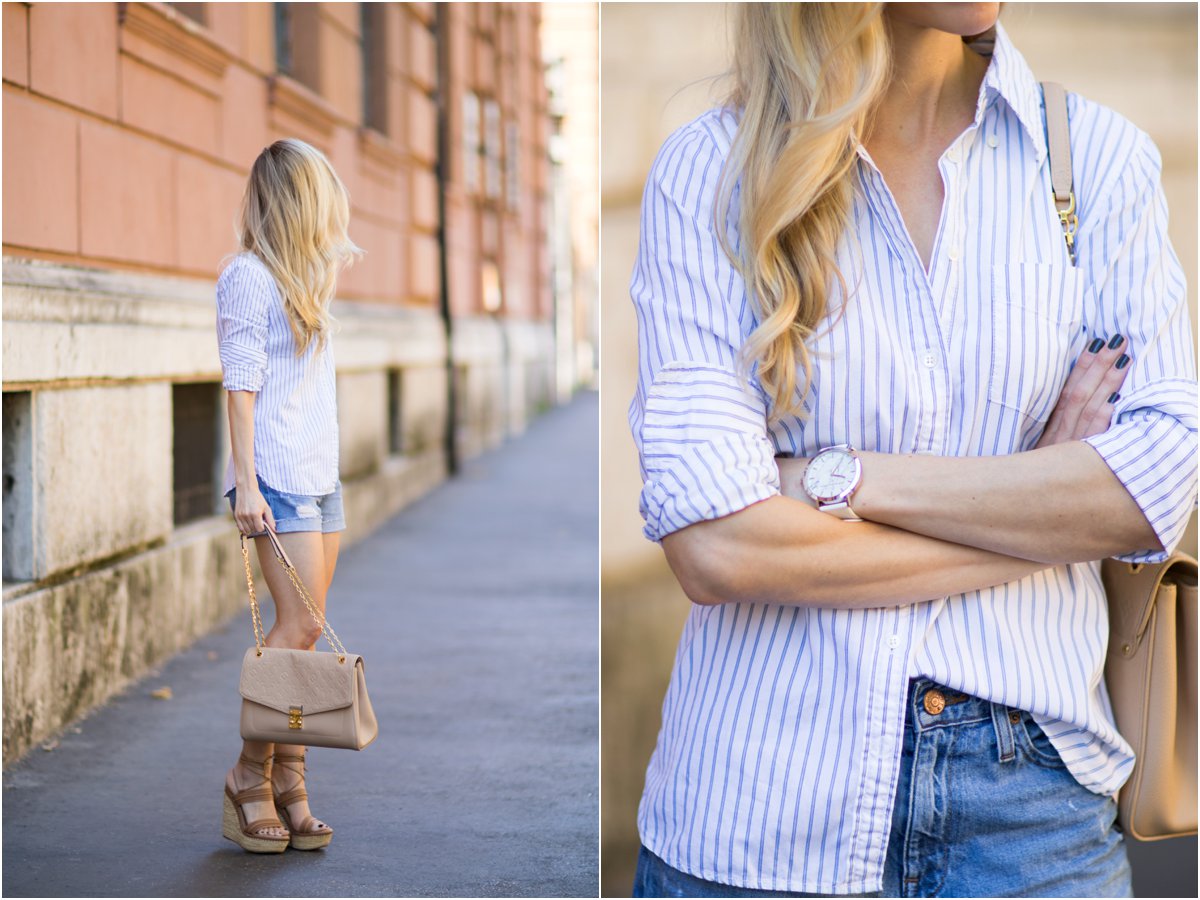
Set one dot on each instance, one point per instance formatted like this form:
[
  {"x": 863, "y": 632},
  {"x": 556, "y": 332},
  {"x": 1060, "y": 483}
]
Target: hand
[
  {"x": 251, "y": 511},
  {"x": 1085, "y": 406}
]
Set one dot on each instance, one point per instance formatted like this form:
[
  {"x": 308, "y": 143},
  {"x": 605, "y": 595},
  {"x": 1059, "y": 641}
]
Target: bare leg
[
  {"x": 293, "y": 628},
  {"x": 308, "y": 552}
]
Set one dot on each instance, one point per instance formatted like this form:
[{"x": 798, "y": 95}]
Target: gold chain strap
[{"x": 256, "y": 614}]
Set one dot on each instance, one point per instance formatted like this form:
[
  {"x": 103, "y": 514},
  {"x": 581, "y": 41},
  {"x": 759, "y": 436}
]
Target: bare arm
[
  {"x": 251, "y": 507},
  {"x": 783, "y": 551},
  {"x": 1057, "y": 503}
]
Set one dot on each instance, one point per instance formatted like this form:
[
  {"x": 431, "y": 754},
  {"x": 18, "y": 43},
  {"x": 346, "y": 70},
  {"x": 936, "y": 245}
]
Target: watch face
[{"x": 832, "y": 475}]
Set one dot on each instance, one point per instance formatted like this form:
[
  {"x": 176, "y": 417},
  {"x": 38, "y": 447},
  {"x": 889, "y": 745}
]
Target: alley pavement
[{"x": 475, "y": 610}]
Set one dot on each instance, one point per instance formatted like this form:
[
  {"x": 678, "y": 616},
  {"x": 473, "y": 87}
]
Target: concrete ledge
[{"x": 70, "y": 646}]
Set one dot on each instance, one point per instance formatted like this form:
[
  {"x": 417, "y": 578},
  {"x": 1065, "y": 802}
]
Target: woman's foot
[
  {"x": 250, "y": 819},
  {"x": 291, "y": 802}
]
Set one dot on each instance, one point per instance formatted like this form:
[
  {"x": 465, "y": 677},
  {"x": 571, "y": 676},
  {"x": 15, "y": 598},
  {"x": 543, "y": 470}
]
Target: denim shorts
[
  {"x": 985, "y": 807},
  {"x": 298, "y": 512}
]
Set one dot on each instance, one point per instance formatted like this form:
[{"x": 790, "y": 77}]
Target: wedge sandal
[
  {"x": 310, "y": 834},
  {"x": 233, "y": 821}
]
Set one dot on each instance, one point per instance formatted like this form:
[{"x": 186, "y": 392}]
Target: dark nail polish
[
  {"x": 1116, "y": 342},
  {"x": 1123, "y": 361},
  {"x": 1094, "y": 346},
  {"x": 1114, "y": 398}
]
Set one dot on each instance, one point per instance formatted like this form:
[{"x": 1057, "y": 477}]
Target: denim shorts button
[
  {"x": 935, "y": 701},
  {"x": 1014, "y": 716}
]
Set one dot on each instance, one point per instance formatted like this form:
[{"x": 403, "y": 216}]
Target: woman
[
  {"x": 274, "y": 333},
  {"x": 856, "y": 262}
]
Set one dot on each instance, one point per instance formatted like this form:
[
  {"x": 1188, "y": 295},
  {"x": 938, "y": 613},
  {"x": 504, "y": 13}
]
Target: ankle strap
[{"x": 262, "y": 766}]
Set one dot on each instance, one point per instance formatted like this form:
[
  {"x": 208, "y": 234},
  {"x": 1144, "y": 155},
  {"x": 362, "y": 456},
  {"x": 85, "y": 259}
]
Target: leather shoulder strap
[{"x": 1058, "y": 144}]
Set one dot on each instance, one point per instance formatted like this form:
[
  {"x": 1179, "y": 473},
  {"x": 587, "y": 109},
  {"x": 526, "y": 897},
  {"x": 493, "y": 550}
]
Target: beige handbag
[
  {"x": 1151, "y": 678},
  {"x": 1150, "y": 669},
  {"x": 306, "y": 697}
]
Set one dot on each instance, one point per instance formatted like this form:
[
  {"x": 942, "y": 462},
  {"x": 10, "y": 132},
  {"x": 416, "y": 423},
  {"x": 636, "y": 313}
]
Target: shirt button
[
  {"x": 893, "y": 642},
  {"x": 992, "y": 142},
  {"x": 929, "y": 360},
  {"x": 952, "y": 253}
]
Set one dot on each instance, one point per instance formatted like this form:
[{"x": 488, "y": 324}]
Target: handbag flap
[
  {"x": 311, "y": 679},
  {"x": 1133, "y": 590}
]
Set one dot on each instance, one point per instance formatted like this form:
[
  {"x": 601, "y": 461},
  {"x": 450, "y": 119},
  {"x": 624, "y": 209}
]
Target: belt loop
[{"x": 1004, "y": 733}]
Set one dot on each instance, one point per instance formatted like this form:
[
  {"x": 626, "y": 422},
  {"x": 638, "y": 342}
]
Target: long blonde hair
[
  {"x": 294, "y": 216},
  {"x": 806, "y": 77}
]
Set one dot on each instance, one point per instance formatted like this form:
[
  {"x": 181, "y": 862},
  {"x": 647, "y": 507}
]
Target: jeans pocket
[
  {"x": 1035, "y": 745},
  {"x": 1037, "y": 312}
]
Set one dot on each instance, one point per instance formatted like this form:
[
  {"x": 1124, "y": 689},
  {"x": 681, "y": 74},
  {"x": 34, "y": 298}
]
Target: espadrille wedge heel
[
  {"x": 253, "y": 836},
  {"x": 312, "y": 834}
]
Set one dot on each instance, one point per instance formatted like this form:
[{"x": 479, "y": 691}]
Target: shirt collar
[{"x": 1009, "y": 77}]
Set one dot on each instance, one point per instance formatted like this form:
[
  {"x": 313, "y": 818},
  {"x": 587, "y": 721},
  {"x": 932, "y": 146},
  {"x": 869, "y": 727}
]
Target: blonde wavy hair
[
  {"x": 294, "y": 216},
  {"x": 806, "y": 78}
]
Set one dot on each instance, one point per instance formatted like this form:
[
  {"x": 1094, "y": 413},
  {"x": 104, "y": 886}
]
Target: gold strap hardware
[
  {"x": 1069, "y": 223},
  {"x": 296, "y": 717}
]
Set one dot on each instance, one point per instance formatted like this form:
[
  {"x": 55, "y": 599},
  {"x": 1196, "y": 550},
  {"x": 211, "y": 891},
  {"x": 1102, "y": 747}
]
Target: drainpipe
[{"x": 441, "y": 25}]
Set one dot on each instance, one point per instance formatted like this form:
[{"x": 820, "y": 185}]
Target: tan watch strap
[{"x": 1058, "y": 146}]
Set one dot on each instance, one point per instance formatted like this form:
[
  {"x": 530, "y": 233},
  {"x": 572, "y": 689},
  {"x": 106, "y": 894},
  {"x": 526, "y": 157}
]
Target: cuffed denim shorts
[
  {"x": 299, "y": 512},
  {"x": 985, "y": 807}
]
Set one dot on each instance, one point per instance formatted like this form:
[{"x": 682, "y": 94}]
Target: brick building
[{"x": 129, "y": 130}]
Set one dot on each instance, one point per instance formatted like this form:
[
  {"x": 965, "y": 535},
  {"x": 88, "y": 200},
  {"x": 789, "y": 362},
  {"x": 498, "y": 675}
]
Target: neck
[{"x": 933, "y": 90}]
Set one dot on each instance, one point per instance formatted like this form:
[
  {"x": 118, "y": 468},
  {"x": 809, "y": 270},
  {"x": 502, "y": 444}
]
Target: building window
[
  {"x": 283, "y": 37},
  {"x": 395, "y": 385},
  {"x": 194, "y": 11},
  {"x": 373, "y": 24},
  {"x": 492, "y": 150},
  {"x": 195, "y": 420},
  {"x": 17, "y": 535},
  {"x": 470, "y": 145},
  {"x": 512, "y": 167}
]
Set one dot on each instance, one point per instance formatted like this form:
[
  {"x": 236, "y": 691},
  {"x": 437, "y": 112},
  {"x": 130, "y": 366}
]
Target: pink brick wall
[{"x": 128, "y": 138}]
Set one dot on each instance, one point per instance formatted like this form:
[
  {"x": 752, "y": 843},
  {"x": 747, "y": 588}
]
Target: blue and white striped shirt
[
  {"x": 295, "y": 412},
  {"x": 777, "y": 761}
]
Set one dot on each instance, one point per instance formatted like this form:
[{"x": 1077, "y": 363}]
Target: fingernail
[
  {"x": 1094, "y": 346},
  {"x": 1114, "y": 398},
  {"x": 1123, "y": 361},
  {"x": 1116, "y": 342}
]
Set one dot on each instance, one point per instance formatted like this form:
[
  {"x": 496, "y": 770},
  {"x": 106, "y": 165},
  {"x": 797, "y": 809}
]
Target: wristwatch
[{"x": 831, "y": 478}]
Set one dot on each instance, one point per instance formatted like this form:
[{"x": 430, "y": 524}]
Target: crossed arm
[{"x": 937, "y": 525}]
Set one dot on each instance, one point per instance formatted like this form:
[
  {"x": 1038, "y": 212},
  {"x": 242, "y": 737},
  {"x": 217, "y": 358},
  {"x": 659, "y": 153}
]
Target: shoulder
[
  {"x": 1109, "y": 153},
  {"x": 688, "y": 165},
  {"x": 245, "y": 275}
]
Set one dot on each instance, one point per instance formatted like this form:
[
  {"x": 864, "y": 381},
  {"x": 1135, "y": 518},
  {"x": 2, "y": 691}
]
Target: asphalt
[{"x": 476, "y": 611}]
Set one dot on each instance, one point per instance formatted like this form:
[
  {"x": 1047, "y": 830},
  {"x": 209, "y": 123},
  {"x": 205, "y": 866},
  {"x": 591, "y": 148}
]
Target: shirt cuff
[
  {"x": 705, "y": 452},
  {"x": 1152, "y": 455},
  {"x": 242, "y": 378}
]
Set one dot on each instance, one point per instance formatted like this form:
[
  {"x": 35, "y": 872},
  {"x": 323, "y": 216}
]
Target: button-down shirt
[
  {"x": 295, "y": 412},
  {"x": 777, "y": 761}
]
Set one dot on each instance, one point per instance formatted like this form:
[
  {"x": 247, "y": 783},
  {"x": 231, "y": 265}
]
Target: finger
[
  {"x": 269, "y": 517},
  {"x": 1098, "y": 415},
  {"x": 1093, "y": 365}
]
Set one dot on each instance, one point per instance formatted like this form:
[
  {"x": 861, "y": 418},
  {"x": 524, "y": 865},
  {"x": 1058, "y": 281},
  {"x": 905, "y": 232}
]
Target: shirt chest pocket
[{"x": 1037, "y": 313}]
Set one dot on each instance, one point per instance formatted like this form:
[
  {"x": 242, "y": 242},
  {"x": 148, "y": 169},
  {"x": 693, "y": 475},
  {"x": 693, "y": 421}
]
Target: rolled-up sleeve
[
  {"x": 698, "y": 422},
  {"x": 243, "y": 298},
  {"x": 1140, "y": 292}
]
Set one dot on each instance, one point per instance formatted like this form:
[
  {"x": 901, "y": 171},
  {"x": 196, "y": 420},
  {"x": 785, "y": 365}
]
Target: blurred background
[{"x": 1137, "y": 58}]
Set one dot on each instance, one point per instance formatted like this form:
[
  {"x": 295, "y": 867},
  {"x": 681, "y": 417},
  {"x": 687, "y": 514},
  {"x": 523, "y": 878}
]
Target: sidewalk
[{"x": 476, "y": 612}]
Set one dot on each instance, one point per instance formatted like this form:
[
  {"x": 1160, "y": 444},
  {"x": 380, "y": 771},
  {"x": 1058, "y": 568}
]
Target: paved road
[{"x": 476, "y": 612}]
